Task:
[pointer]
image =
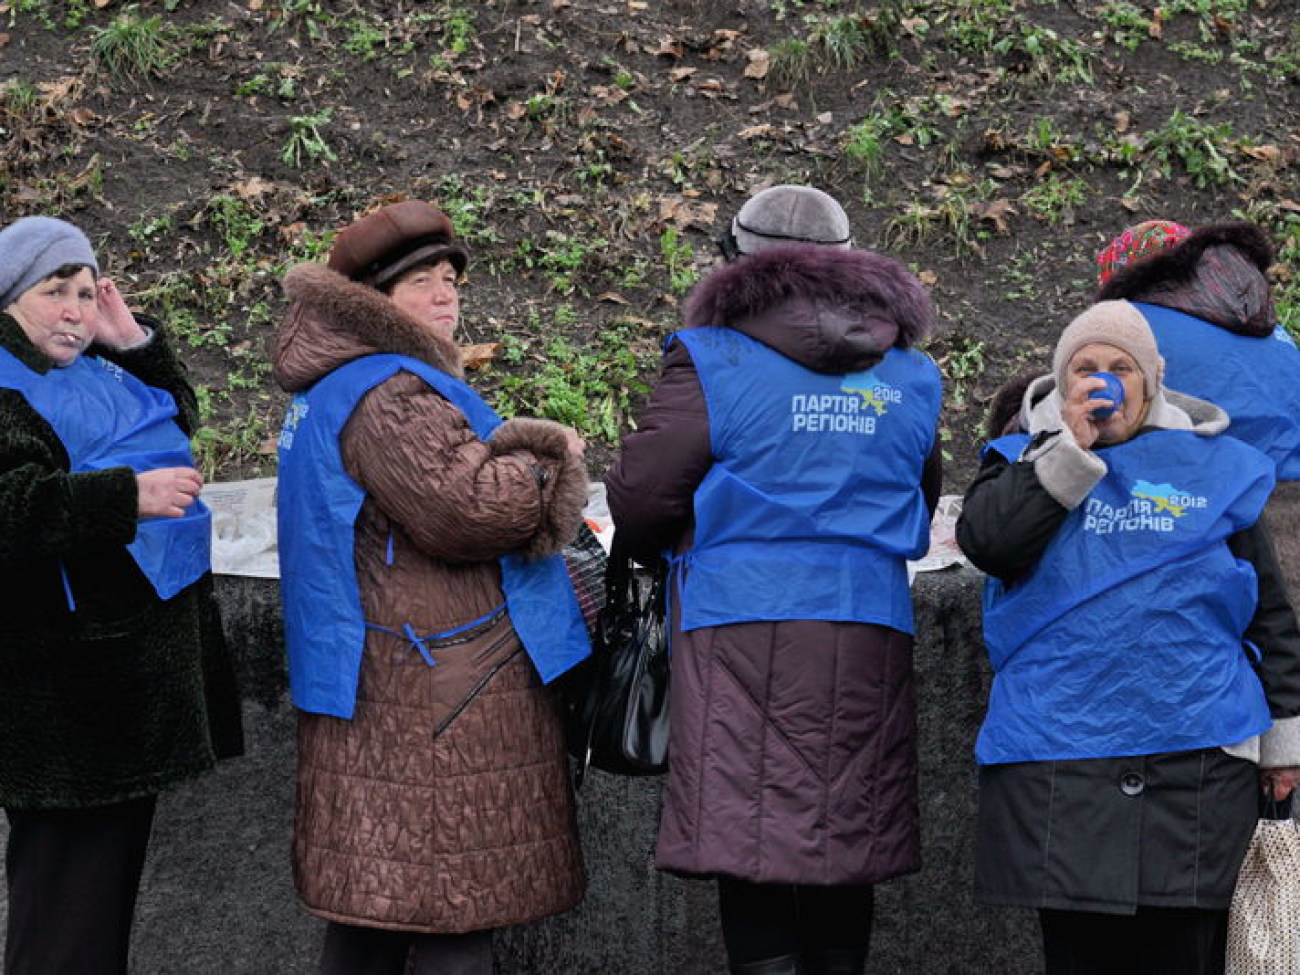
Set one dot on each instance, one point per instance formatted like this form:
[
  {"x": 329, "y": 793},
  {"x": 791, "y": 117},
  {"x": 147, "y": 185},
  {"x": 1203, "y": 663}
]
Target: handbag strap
[{"x": 621, "y": 583}]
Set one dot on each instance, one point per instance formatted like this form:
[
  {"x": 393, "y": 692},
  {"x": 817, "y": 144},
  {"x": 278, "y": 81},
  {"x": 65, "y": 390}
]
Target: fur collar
[
  {"x": 815, "y": 300},
  {"x": 1170, "y": 410},
  {"x": 333, "y": 320},
  {"x": 14, "y": 340}
]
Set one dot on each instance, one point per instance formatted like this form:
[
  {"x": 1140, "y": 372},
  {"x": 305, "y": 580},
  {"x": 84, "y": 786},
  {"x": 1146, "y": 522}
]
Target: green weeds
[
  {"x": 831, "y": 43},
  {"x": 275, "y": 80},
  {"x": 561, "y": 258},
  {"x": 679, "y": 258},
  {"x": 468, "y": 206},
  {"x": 306, "y": 141},
  {"x": 1201, "y": 149},
  {"x": 960, "y": 359},
  {"x": 133, "y": 46},
  {"x": 457, "y": 30},
  {"x": 234, "y": 441},
  {"x": 236, "y": 222},
  {"x": 590, "y": 388},
  {"x": 1125, "y": 24},
  {"x": 147, "y": 229},
  {"x": 1056, "y": 198},
  {"x": 950, "y": 218},
  {"x": 1044, "y": 55}
]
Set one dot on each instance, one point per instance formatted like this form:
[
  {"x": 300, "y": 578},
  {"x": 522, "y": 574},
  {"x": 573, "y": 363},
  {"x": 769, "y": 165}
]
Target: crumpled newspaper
[
  {"x": 943, "y": 539},
  {"x": 244, "y": 527},
  {"x": 244, "y": 530}
]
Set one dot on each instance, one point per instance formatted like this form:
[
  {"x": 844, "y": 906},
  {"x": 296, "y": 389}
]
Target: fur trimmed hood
[
  {"x": 333, "y": 320},
  {"x": 827, "y": 309},
  {"x": 1216, "y": 274}
]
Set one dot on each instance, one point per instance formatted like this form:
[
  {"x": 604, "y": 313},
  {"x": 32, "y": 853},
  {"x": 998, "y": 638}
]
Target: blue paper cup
[{"x": 1113, "y": 391}]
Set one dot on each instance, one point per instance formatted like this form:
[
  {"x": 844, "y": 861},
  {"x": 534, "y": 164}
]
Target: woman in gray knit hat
[
  {"x": 787, "y": 465},
  {"x": 115, "y": 679},
  {"x": 1146, "y": 659}
]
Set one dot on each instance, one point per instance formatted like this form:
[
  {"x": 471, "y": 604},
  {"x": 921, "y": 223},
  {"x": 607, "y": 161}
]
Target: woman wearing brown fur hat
[
  {"x": 1146, "y": 660},
  {"x": 787, "y": 464},
  {"x": 425, "y": 605}
]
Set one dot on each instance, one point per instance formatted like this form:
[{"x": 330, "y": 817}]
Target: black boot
[
  {"x": 778, "y": 965},
  {"x": 834, "y": 961}
]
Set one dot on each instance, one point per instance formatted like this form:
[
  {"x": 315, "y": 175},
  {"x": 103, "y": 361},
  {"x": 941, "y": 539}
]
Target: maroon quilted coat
[
  {"x": 444, "y": 804},
  {"x": 793, "y": 743}
]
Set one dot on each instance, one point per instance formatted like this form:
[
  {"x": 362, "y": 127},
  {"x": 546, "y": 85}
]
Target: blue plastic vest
[
  {"x": 1256, "y": 380},
  {"x": 317, "y": 507},
  {"x": 105, "y": 417},
  {"x": 1127, "y": 637},
  {"x": 813, "y": 503}
]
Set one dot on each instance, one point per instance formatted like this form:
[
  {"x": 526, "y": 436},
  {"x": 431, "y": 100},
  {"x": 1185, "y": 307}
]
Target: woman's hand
[
  {"x": 168, "y": 491},
  {"x": 116, "y": 327},
  {"x": 1076, "y": 411},
  {"x": 1279, "y": 782}
]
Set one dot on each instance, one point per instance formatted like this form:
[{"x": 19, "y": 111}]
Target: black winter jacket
[
  {"x": 1111, "y": 834},
  {"x": 127, "y": 693}
]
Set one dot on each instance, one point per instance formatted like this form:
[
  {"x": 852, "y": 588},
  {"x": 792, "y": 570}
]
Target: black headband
[{"x": 794, "y": 237}]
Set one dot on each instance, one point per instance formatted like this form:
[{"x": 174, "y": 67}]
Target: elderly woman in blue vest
[
  {"x": 425, "y": 605},
  {"x": 1206, "y": 294},
  {"x": 115, "y": 680},
  {"x": 787, "y": 464},
  {"x": 1146, "y": 660}
]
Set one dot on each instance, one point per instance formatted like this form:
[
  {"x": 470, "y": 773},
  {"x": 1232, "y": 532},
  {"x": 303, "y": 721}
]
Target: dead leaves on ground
[
  {"x": 682, "y": 213},
  {"x": 479, "y": 355}
]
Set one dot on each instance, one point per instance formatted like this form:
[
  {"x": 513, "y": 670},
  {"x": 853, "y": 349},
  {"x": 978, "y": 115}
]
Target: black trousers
[
  {"x": 1154, "y": 941},
  {"x": 771, "y": 920},
  {"x": 73, "y": 876},
  {"x": 353, "y": 950}
]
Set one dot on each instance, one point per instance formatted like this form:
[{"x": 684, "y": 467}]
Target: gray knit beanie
[
  {"x": 33, "y": 248},
  {"x": 1116, "y": 323},
  {"x": 790, "y": 215}
]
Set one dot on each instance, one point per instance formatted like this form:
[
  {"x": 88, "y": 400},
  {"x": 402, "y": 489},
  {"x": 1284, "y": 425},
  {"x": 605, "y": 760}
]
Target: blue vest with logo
[
  {"x": 813, "y": 503},
  {"x": 105, "y": 417},
  {"x": 1127, "y": 636},
  {"x": 317, "y": 507},
  {"x": 1256, "y": 380}
]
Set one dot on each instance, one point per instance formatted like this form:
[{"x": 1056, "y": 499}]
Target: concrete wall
[{"x": 218, "y": 897}]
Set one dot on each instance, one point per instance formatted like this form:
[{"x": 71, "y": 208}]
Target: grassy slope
[{"x": 588, "y": 150}]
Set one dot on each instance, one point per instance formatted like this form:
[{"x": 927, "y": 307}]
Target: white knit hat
[{"x": 1114, "y": 323}]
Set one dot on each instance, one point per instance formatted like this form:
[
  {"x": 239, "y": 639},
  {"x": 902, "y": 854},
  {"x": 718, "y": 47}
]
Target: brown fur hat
[{"x": 381, "y": 245}]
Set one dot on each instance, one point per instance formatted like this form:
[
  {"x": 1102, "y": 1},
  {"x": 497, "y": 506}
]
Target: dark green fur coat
[{"x": 126, "y": 693}]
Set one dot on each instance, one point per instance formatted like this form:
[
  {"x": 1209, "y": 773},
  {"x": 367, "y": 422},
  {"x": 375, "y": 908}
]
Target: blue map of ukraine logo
[
  {"x": 876, "y": 395},
  {"x": 1165, "y": 497}
]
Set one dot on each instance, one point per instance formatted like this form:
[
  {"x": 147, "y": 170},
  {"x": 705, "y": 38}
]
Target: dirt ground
[{"x": 591, "y": 149}]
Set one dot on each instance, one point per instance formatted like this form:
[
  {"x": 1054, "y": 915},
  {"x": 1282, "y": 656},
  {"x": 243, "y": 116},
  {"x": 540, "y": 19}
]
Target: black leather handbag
[{"x": 616, "y": 702}]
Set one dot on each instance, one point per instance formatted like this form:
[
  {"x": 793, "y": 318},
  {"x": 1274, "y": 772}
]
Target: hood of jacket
[
  {"x": 829, "y": 310},
  {"x": 333, "y": 320},
  {"x": 1040, "y": 410},
  {"x": 1217, "y": 275}
]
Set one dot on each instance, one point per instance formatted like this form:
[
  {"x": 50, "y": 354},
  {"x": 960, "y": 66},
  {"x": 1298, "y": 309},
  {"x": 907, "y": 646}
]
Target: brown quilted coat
[{"x": 443, "y": 806}]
